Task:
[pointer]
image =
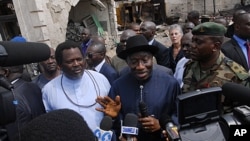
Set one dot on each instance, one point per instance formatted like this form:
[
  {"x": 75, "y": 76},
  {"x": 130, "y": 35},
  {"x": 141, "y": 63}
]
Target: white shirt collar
[
  {"x": 14, "y": 81},
  {"x": 99, "y": 66},
  {"x": 151, "y": 42}
]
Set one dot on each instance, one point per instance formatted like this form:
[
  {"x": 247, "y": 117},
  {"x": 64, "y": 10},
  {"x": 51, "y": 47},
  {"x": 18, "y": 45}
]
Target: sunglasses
[{"x": 91, "y": 54}]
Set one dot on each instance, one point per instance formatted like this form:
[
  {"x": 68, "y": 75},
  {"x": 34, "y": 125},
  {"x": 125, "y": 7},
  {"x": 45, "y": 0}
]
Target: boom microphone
[
  {"x": 104, "y": 133},
  {"x": 237, "y": 92},
  {"x": 129, "y": 127},
  {"x": 19, "y": 53}
]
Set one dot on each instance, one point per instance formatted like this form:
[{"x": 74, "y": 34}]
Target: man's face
[
  {"x": 141, "y": 65},
  {"x": 202, "y": 48},
  {"x": 136, "y": 28},
  {"x": 85, "y": 35},
  {"x": 50, "y": 64},
  {"x": 73, "y": 63},
  {"x": 243, "y": 28},
  {"x": 186, "y": 44},
  {"x": 93, "y": 56},
  {"x": 146, "y": 32},
  {"x": 188, "y": 27}
]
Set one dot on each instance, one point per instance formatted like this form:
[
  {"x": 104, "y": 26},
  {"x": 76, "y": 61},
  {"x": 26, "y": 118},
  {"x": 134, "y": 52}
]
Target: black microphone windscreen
[
  {"x": 143, "y": 109},
  {"x": 130, "y": 120},
  {"x": 106, "y": 123},
  {"x": 236, "y": 92},
  {"x": 19, "y": 53}
]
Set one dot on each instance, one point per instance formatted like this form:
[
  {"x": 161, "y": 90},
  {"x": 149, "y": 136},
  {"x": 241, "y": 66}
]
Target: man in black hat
[{"x": 144, "y": 84}]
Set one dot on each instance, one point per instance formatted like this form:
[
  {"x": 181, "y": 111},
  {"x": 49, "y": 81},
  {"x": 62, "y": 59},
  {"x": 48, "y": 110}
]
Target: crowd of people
[{"x": 82, "y": 78}]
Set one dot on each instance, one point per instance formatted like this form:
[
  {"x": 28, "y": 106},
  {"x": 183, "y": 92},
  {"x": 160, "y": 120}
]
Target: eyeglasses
[{"x": 91, "y": 54}]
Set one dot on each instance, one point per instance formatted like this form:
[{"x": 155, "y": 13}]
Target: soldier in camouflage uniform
[{"x": 209, "y": 67}]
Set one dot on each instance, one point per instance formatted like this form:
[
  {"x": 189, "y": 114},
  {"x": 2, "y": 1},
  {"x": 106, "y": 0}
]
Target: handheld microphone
[
  {"x": 103, "y": 133},
  {"x": 143, "y": 109},
  {"x": 172, "y": 131},
  {"x": 129, "y": 127},
  {"x": 236, "y": 92},
  {"x": 19, "y": 53}
]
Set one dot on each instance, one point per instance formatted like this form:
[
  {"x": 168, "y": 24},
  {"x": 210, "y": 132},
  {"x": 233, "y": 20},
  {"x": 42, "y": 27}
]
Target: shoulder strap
[{"x": 240, "y": 72}]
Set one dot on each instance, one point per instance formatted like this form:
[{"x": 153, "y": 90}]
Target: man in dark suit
[
  {"x": 95, "y": 57},
  {"x": 236, "y": 48},
  {"x": 29, "y": 99},
  {"x": 148, "y": 30}
]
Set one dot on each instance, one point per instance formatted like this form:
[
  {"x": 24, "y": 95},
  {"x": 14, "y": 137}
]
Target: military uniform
[{"x": 223, "y": 71}]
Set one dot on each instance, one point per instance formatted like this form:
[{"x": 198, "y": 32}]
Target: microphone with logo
[
  {"x": 129, "y": 128},
  {"x": 104, "y": 133},
  {"x": 172, "y": 131}
]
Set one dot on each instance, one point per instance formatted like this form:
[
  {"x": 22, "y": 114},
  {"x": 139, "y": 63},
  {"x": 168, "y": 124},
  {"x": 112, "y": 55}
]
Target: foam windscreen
[{"x": 18, "y": 53}]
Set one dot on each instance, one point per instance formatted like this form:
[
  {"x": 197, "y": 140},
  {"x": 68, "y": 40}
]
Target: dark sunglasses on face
[{"x": 91, "y": 54}]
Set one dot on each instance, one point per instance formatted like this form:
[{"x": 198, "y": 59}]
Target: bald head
[
  {"x": 241, "y": 17},
  {"x": 126, "y": 34},
  {"x": 123, "y": 38},
  {"x": 149, "y": 25},
  {"x": 237, "y": 13},
  {"x": 148, "y": 29},
  {"x": 98, "y": 39},
  {"x": 97, "y": 47}
]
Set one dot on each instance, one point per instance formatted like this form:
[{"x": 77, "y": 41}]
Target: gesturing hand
[{"x": 110, "y": 107}]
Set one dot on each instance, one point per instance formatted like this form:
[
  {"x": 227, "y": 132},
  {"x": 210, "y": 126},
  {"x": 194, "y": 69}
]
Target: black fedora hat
[{"x": 135, "y": 44}]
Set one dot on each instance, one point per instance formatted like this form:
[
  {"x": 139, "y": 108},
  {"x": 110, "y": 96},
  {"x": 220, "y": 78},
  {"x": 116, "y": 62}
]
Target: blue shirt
[
  {"x": 180, "y": 67},
  {"x": 84, "y": 46},
  {"x": 241, "y": 43}
]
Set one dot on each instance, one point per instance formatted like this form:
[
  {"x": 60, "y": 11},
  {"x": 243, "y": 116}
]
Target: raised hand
[{"x": 109, "y": 106}]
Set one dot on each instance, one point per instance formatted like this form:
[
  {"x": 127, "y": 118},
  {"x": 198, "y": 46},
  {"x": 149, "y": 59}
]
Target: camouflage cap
[{"x": 209, "y": 28}]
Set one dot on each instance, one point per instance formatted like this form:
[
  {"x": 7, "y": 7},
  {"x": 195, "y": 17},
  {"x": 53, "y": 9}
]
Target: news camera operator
[
  {"x": 20, "y": 101},
  {"x": 145, "y": 83}
]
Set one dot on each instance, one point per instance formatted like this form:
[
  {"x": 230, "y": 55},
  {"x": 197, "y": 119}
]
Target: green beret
[{"x": 209, "y": 28}]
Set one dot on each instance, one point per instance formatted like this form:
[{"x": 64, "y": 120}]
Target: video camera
[{"x": 200, "y": 116}]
